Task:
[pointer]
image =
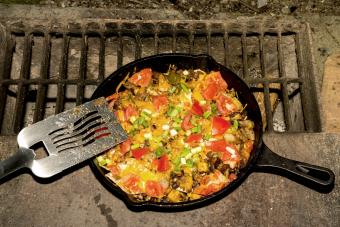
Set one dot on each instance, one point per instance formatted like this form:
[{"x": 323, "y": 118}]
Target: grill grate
[{"x": 47, "y": 68}]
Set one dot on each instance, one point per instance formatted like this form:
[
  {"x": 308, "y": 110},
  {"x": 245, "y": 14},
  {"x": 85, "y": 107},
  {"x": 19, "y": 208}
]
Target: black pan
[{"x": 261, "y": 159}]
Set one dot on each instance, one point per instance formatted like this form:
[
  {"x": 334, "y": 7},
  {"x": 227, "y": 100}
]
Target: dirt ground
[{"x": 204, "y": 9}]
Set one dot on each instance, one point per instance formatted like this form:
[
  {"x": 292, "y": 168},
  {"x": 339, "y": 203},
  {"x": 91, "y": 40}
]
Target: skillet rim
[{"x": 181, "y": 206}]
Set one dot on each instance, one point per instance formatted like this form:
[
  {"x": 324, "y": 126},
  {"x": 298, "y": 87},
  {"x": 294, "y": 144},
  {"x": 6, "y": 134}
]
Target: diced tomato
[
  {"x": 131, "y": 183},
  {"x": 211, "y": 183},
  {"x": 211, "y": 91},
  {"x": 125, "y": 146},
  {"x": 129, "y": 112},
  {"x": 159, "y": 101},
  {"x": 186, "y": 124},
  {"x": 219, "y": 126},
  {"x": 197, "y": 109},
  {"x": 114, "y": 170},
  {"x": 163, "y": 163},
  {"x": 231, "y": 153},
  {"x": 142, "y": 78},
  {"x": 139, "y": 152},
  {"x": 194, "y": 138},
  {"x": 154, "y": 189},
  {"x": 217, "y": 77},
  {"x": 225, "y": 105},
  {"x": 232, "y": 176},
  {"x": 217, "y": 146}
]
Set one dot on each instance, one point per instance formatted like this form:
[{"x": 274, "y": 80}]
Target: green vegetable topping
[{"x": 185, "y": 87}]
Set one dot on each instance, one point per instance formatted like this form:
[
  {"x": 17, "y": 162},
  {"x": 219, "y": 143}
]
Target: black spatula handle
[
  {"x": 23, "y": 158},
  {"x": 316, "y": 177}
]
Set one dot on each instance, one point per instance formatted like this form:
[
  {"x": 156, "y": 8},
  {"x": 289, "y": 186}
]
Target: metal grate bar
[
  {"x": 156, "y": 43},
  {"x": 209, "y": 42},
  {"x": 191, "y": 42},
  {"x": 82, "y": 70},
  {"x": 282, "y": 74},
  {"x": 62, "y": 75},
  {"x": 41, "y": 94},
  {"x": 101, "y": 58},
  {"x": 120, "y": 50},
  {"x": 5, "y": 74},
  {"x": 308, "y": 92},
  {"x": 244, "y": 55},
  {"x": 138, "y": 52},
  {"x": 269, "y": 115},
  {"x": 174, "y": 41},
  {"x": 22, "y": 88},
  {"x": 226, "y": 49}
]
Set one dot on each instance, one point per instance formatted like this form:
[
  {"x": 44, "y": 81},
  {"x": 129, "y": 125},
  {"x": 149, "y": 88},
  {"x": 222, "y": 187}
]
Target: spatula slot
[
  {"x": 39, "y": 150},
  {"x": 67, "y": 136}
]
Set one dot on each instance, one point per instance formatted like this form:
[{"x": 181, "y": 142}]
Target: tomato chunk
[
  {"x": 125, "y": 146},
  {"x": 219, "y": 126},
  {"x": 225, "y": 105},
  {"x": 163, "y": 163},
  {"x": 129, "y": 112},
  {"x": 217, "y": 146},
  {"x": 139, "y": 152},
  {"x": 131, "y": 183},
  {"x": 186, "y": 124},
  {"x": 211, "y": 91},
  {"x": 197, "y": 109},
  {"x": 194, "y": 138},
  {"x": 217, "y": 77},
  {"x": 159, "y": 101},
  {"x": 142, "y": 78},
  {"x": 154, "y": 189}
]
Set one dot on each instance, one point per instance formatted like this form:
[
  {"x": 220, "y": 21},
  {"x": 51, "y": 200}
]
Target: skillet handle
[{"x": 315, "y": 177}]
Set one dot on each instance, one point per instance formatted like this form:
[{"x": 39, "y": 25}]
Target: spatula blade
[{"x": 73, "y": 136}]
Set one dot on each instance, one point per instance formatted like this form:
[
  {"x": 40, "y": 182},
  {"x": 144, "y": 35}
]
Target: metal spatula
[{"x": 70, "y": 138}]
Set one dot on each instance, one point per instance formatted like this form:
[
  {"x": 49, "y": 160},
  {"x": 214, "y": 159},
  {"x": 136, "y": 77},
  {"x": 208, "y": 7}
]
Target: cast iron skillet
[{"x": 261, "y": 159}]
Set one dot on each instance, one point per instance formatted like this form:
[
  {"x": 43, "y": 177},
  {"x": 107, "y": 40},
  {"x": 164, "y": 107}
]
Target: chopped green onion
[
  {"x": 207, "y": 137},
  {"x": 135, "y": 146},
  {"x": 196, "y": 129},
  {"x": 172, "y": 89},
  {"x": 189, "y": 163},
  {"x": 213, "y": 108},
  {"x": 185, "y": 87},
  {"x": 235, "y": 124},
  {"x": 185, "y": 152},
  {"x": 145, "y": 115},
  {"x": 159, "y": 152},
  {"x": 207, "y": 114}
]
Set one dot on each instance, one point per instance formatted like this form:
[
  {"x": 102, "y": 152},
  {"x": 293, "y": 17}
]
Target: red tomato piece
[
  {"x": 131, "y": 184},
  {"x": 141, "y": 78},
  {"x": 114, "y": 170},
  {"x": 225, "y": 105},
  {"x": 163, "y": 163},
  {"x": 139, "y": 152},
  {"x": 232, "y": 176},
  {"x": 211, "y": 91},
  {"x": 125, "y": 146},
  {"x": 154, "y": 189},
  {"x": 217, "y": 146},
  {"x": 186, "y": 124},
  {"x": 217, "y": 77},
  {"x": 129, "y": 112},
  {"x": 194, "y": 138},
  {"x": 197, "y": 109},
  {"x": 219, "y": 126},
  {"x": 159, "y": 101}
]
